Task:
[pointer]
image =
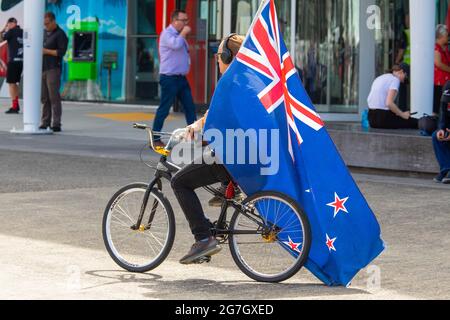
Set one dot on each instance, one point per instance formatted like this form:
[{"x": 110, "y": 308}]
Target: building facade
[{"x": 339, "y": 46}]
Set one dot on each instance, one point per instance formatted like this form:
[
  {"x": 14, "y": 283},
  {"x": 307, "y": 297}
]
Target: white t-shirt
[{"x": 380, "y": 89}]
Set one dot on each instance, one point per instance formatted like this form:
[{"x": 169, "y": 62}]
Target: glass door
[
  {"x": 215, "y": 35},
  {"x": 327, "y": 53},
  {"x": 198, "y": 12},
  {"x": 284, "y": 19},
  {"x": 242, "y": 14},
  {"x": 142, "y": 52}
]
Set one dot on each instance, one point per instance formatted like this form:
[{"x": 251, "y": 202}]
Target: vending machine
[{"x": 82, "y": 60}]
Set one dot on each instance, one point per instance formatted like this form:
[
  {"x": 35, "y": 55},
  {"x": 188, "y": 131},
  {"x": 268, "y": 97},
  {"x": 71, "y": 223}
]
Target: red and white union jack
[{"x": 270, "y": 63}]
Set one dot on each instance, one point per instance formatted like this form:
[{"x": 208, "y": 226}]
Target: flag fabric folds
[{"x": 262, "y": 90}]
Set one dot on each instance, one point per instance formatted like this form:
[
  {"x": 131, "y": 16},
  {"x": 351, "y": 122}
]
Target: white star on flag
[
  {"x": 292, "y": 245},
  {"x": 330, "y": 243},
  {"x": 338, "y": 204}
]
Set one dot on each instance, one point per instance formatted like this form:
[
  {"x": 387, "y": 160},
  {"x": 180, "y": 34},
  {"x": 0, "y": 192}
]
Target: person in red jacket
[{"x": 441, "y": 65}]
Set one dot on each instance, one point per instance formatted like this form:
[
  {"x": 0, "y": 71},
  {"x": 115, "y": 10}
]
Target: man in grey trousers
[{"x": 55, "y": 47}]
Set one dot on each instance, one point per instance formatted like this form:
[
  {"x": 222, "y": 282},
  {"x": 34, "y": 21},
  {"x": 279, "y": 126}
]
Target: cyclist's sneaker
[
  {"x": 203, "y": 259},
  {"x": 200, "y": 249},
  {"x": 446, "y": 180}
]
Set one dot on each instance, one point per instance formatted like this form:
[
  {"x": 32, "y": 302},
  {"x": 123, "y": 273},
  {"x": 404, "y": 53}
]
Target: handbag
[{"x": 428, "y": 125}]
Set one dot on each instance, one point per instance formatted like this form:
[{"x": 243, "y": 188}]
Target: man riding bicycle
[{"x": 199, "y": 174}]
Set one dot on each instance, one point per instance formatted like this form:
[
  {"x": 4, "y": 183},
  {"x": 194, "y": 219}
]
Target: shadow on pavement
[{"x": 161, "y": 288}]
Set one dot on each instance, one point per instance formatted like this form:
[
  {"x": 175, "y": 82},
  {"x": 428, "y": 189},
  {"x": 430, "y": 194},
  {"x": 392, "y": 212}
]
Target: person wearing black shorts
[{"x": 13, "y": 34}]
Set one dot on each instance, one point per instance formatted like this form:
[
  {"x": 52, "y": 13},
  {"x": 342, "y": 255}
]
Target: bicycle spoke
[
  {"x": 151, "y": 246},
  {"x": 137, "y": 248},
  {"x": 123, "y": 212},
  {"x": 264, "y": 255},
  {"x": 122, "y": 223},
  {"x": 155, "y": 238}
]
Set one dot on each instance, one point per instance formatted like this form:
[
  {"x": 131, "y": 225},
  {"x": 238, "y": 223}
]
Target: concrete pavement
[{"x": 53, "y": 191}]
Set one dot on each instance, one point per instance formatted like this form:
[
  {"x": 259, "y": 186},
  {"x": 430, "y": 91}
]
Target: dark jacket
[
  {"x": 55, "y": 40},
  {"x": 444, "y": 121},
  {"x": 15, "y": 44}
]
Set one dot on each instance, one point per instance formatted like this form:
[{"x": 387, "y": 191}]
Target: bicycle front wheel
[
  {"x": 270, "y": 241},
  {"x": 138, "y": 248}
]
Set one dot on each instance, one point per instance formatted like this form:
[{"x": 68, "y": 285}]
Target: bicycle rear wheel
[
  {"x": 271, "y": 242},
  {"x": 144, "y": 247}
]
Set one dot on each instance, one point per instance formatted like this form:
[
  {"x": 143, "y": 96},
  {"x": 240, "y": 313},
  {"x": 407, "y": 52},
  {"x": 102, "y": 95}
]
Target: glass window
[
  {"x": 443, "y": 12},
  {"x": 327, "y": 53},
  {"x": 104, "y": 77},
  {"x": 242, "y": 15},
  {"x": 284, "y": 19},
  {"x": 143, "y": 58},
  {"x": 146, "y": 68},
  {"x": 146, "y": 21}
]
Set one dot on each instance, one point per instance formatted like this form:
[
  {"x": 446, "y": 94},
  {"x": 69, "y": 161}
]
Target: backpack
[{"x": 428, "y": 125}]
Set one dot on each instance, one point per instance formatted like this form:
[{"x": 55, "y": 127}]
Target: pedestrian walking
[
  {"x": 13, "y": 34},
  {"x": 174, "y": 66},
  {"x": 55, "y": 47}
]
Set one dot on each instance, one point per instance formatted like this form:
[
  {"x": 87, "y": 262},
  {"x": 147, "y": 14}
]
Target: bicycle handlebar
[
  {"x": 140, "y": 126},
  {"x": 151, "y": 135}
]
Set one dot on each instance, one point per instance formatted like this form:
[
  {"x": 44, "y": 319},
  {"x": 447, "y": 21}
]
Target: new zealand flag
[{"x": 262, "y": 90}]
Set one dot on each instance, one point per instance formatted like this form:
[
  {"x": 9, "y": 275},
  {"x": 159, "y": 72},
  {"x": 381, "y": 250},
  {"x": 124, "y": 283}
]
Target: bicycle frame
[{"x": 165, "y": 170}]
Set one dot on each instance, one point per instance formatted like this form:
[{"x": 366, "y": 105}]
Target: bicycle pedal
[{"x": 204, "y": 259}]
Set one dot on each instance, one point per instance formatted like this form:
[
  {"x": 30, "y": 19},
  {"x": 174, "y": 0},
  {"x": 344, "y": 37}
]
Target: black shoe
[
  {"x": 446, "y": 180},
  {"x": 12, "y": 111},
  {"x": 56, "y": 129},
  {"x": 200, "y": 249},
  {"x": 43, "y": 127},
  {"x": 439, "y": 177}
]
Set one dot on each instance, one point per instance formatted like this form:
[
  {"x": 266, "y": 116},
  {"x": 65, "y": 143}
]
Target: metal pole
[
  {"x": 33, "y": 39},
  {"x": 423, "y": 16},
  {"x": 293, "y": 28},
  {"x": 226, "y": 18},
  {"x": 367, "y": 55}
]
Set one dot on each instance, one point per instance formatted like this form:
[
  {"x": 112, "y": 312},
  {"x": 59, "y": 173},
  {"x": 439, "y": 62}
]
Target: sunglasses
[{"x": 217, "y": 56}]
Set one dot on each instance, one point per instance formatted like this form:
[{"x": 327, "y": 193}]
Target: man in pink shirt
[{"x": 174, "y": 66}]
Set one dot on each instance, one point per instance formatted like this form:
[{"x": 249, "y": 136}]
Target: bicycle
[{"x": 268, "y": 234}]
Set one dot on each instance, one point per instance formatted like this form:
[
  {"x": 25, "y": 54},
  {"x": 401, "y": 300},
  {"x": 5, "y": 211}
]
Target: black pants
[
  {"x": 51, "y": 99},
  {"x": 185, "y": 182},
  {"x": 437, "y": 99},
  {"x": 386, "y": 119}
]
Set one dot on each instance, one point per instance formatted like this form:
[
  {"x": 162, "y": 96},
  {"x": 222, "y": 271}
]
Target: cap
[
  {"x": 405, "y": 67},
  {"x": 12, "y": 19}
]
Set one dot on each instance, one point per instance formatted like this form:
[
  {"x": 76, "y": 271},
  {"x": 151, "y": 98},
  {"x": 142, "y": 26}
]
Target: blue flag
[{"x": 262, "y": 90}]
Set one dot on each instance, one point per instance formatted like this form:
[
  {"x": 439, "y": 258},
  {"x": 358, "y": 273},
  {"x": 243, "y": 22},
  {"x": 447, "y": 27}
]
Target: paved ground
[{"x": 53, "y": 190}]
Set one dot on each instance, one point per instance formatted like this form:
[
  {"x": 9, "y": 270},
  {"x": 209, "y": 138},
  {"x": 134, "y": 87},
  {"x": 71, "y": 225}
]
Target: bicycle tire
[
  {"x": 113, "y": 252},
  {"x": 302, "y": 257}
]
